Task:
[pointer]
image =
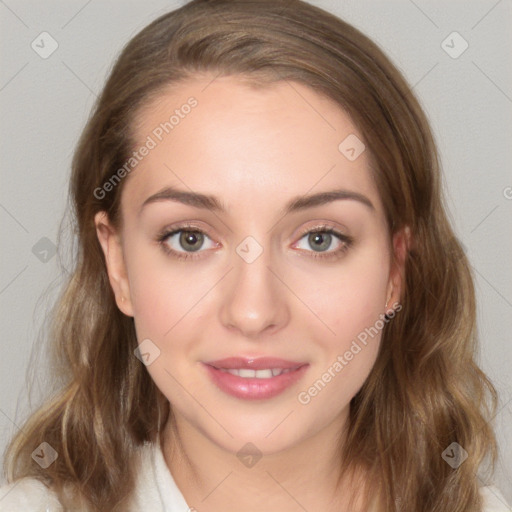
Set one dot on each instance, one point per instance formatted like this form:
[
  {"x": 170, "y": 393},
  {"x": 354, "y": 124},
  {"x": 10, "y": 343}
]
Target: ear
[
  {"x": 112, "y": 249},
  {"x": 401, "y": 244}
]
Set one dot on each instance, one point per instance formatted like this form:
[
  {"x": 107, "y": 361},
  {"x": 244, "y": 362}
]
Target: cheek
[
  {"x": 168, "y": 297},
  {"x": 154, "y": 301},
  {"x": 154, "y": 291},
  {"x": 350, "y": 301},
  {"x": 352, "y": 305},
  {"x": 347, "y": 298}
]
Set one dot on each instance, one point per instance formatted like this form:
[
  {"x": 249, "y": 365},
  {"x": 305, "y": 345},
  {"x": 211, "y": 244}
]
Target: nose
[{"x": 255, "y": 298}]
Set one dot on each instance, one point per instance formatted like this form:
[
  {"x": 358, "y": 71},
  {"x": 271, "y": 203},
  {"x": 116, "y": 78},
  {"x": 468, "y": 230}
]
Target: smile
[{"x": 254, "y": 378}]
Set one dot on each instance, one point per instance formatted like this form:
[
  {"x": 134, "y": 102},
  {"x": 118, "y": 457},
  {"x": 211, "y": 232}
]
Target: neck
[{"x": 301, "y": 477}]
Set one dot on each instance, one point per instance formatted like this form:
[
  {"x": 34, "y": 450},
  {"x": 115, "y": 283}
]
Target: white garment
[{"x": 156, "y": 491}]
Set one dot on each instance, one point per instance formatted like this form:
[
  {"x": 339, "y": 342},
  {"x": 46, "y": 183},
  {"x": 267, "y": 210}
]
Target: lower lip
[{"x": 253, "y": 388}]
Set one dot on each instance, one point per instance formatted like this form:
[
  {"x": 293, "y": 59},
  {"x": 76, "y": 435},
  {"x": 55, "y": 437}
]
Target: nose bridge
[
  {"x": 252, "y": 262},
  {"x": 255, "y": 299}
]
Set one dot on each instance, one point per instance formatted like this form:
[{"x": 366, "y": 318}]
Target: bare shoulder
[
  {"x": 28, "y": 495},
  {"x": 494, "y": 501}
]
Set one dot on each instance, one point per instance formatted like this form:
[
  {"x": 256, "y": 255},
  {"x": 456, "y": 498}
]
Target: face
[{"x": 252, "y": 306}]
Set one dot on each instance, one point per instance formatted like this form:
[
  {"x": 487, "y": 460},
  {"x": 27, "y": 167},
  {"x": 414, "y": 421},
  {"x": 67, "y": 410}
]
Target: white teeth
[
  {"x": 247, "y": 373},
  {"x": 244, "y": 372},
  {"x": 264, "y": 374}
]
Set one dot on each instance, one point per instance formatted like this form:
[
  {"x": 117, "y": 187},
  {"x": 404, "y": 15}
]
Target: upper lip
[{"x": 255, "y": 363}]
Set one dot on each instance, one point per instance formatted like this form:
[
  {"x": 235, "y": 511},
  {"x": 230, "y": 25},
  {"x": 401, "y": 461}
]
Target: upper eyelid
[{"x": 186, "y": 227}]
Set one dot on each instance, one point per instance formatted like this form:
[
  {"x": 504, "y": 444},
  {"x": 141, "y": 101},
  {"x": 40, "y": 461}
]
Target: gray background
[{"x": 44, "y": 104}]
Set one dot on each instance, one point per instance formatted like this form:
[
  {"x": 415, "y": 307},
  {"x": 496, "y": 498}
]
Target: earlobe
[{"x": 114, "y": 261}]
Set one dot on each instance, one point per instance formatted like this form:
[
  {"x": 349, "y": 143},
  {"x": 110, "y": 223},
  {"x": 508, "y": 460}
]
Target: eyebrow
[{"x": 299, "y": 203}]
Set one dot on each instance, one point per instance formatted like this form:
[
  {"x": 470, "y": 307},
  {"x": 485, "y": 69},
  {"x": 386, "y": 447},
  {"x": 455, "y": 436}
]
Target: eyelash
[{"x": 345, "y": 239}]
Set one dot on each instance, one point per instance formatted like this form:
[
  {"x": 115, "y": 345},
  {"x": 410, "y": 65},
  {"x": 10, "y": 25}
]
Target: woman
[{"x": 270, "y": 310}]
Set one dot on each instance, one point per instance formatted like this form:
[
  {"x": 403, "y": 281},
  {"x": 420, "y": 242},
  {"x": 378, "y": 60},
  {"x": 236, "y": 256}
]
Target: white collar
[{"x": 156, "y": 489}]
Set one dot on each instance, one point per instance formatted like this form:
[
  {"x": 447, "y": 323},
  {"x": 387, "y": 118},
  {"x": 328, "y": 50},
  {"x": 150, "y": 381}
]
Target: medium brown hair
[{"x": 425, "y": 390}]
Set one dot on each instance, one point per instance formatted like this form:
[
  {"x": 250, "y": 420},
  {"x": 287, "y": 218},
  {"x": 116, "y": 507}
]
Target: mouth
[{"x": 254, "y": 378}]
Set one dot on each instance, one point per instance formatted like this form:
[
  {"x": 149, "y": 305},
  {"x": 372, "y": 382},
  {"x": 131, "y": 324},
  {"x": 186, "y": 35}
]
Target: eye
[
  {"x": 323, "y": 238},
  {"x": 183, "y": 241}
]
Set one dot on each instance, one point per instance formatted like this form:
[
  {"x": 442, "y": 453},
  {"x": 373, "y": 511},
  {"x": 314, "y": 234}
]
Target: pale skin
[{"x": 255, "y": 150}]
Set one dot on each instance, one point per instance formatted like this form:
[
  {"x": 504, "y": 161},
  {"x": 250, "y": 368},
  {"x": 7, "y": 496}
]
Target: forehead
[{"x": 224, "y": 137}]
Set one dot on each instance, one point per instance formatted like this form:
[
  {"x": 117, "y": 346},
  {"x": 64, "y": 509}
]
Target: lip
[
  {"x": 254, "y": 363},
  {"x": 254, "y": 388}
]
